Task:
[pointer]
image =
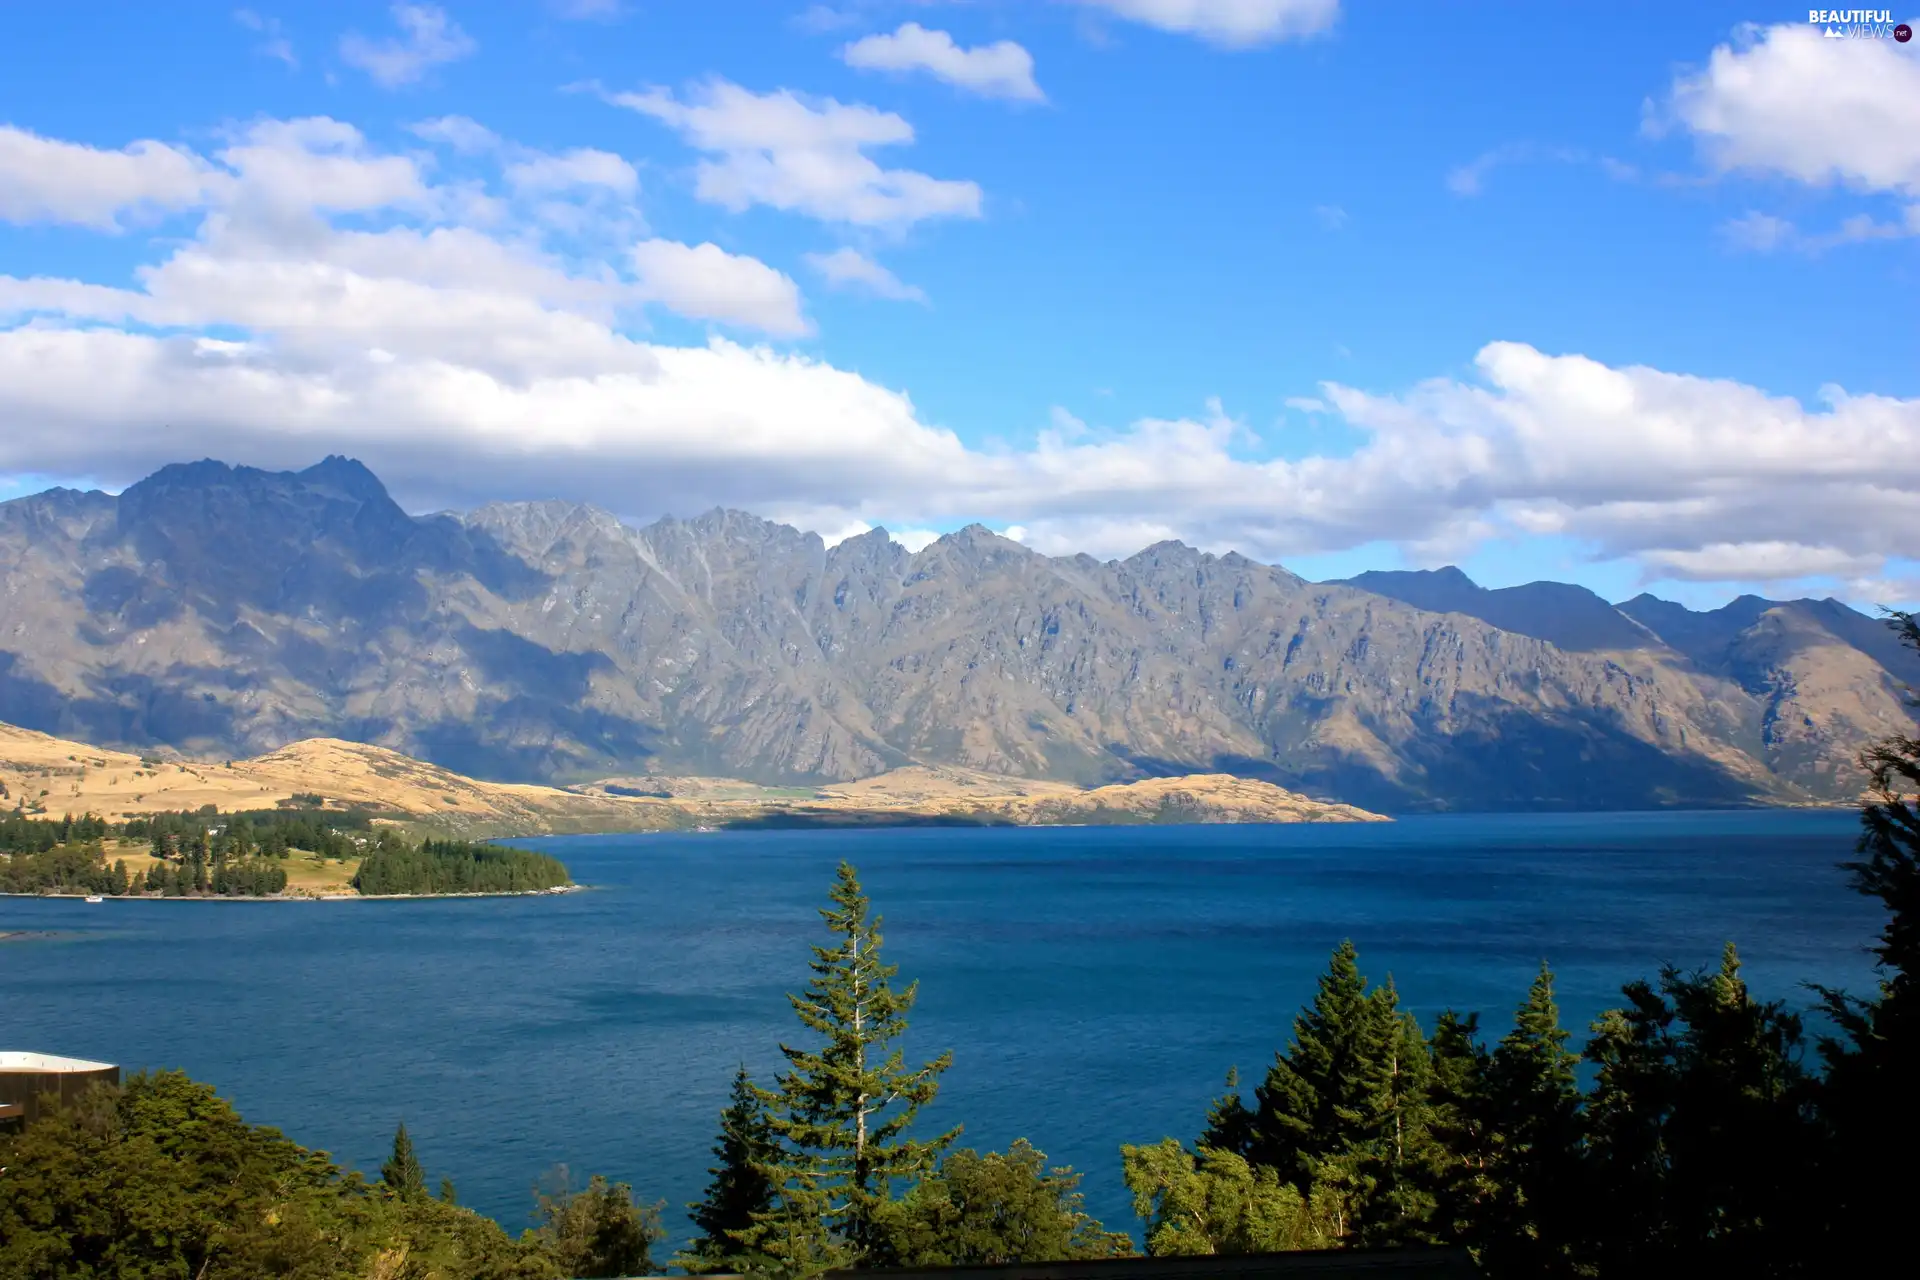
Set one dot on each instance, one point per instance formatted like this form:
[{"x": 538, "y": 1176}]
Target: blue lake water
[{"x": 1094, "y": 983}]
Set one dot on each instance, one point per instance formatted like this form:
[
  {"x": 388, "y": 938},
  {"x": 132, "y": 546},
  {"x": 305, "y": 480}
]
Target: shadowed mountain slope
[{"x": 227, "y": 610}]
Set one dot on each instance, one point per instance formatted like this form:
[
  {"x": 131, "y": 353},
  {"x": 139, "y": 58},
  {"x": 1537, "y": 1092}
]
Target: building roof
[{"x": 47, "y": 1063}]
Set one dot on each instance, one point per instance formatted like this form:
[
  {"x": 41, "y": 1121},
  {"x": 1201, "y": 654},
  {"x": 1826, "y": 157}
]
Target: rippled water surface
[{"x": 1094, "y": 983}]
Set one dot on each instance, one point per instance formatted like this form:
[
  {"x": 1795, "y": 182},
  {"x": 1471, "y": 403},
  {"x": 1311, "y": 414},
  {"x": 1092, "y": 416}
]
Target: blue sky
[{"x": 1619, "y": 295}]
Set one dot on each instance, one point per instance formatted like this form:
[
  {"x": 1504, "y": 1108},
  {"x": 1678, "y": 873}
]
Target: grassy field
[{"x": 308, "y": 875}]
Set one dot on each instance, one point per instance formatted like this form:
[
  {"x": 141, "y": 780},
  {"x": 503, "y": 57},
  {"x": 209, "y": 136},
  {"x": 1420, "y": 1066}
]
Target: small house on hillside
[{"x": 25, "y": 1078}]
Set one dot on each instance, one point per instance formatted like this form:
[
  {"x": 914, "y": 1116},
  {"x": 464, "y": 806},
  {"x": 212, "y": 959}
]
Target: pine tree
[
  {"x": 1229, "y": 1121},
  {"x": 840, "y": 1113},
  {"x": 740, "y": 1192},
  {"x": 402, "y": 1173},
  {"x": 1460, "y": 1179},
  {"x": 1331, "y": 1090},
  {"x": 1532, "y": 1109},
  {"x": 1397, "y": 1203}
]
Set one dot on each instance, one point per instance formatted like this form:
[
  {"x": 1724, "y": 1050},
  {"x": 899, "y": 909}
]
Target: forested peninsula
[{"x": 301, "y": 851}]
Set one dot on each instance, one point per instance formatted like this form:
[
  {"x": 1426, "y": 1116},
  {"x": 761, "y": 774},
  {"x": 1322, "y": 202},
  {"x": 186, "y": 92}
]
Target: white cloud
[
  {"x": 1766, "y": 233},
  {"x": 46, "y": 180},
  {"x": 318, "y": 164},
  {"x": 586, "y": 10},
  {"x": 274, "y": 42},
  {"x": 466, "y": 363},
  {"x": 1002, "y": 69},
  {"x": 1825, "y": 112},
  {"x": 1761, "y": 562},
  {"x": 429, "y": 39},
  {"x": 705, "y": 282},
  {"x": 849, "y": 268},
  {"x": 1233, "y": 23},
  {"x": 468, "y": 137},
  {"x": 1308, "y": 404},
  {"x": 580, "y": 167},
  {"x": 804, "y": 157}
]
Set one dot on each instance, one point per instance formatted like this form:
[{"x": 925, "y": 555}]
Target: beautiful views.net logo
[{"x": 1859, "y": 24}]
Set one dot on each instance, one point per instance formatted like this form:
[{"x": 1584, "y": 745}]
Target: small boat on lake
[{"x": 94, "y": 897}]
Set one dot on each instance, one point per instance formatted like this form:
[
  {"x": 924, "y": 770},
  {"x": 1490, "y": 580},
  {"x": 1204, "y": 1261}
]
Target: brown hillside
[{"x": 59, "y": 777}]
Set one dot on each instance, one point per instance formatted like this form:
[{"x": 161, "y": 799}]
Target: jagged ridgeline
[
  {"x": 456, "y": 866},
  {"x": 225, "y": 612}
]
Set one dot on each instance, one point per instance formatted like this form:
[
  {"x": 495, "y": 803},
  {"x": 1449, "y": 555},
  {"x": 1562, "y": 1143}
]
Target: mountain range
[{"x": 228, "y": 610}]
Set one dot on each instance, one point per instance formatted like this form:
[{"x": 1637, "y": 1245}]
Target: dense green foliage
[
  {"x": 454, "y": 866},
  {"x": 1706, "y": 1142},
  {"x": 244, "y": 855},
  {"x": 975, "y": 1210},
  {"x": 162, "y": 1179}
]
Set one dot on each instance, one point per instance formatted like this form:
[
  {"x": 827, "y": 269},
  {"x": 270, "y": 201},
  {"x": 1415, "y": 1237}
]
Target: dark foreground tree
[
  {"x": 840, "y": 1113},
  {"x": 740, "y": 1191},
  {"x": 1529, "y": 1112},
  {"x": 1873, "y": 1062}
]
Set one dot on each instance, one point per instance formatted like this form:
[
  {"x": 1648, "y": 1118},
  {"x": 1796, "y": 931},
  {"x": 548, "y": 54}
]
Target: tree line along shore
[{"x": 300, "y": 851}]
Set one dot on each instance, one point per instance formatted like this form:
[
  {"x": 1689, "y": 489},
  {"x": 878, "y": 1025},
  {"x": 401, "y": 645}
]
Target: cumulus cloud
[
  {"x": 706, "y": 282},
  {"x": 802, "y": 156},
  {"x": 46, "y": 180},
  {"x": 1232, "y": 23},
  {"x": 1002, "y": 69},
  {"x": 1783, "y": 101},
  {"x": 1786, "y": 101},
  {"x": 467, "y": 363},
  {"x": 849, "y": 268},
  {"x": 428, "y": 38}
]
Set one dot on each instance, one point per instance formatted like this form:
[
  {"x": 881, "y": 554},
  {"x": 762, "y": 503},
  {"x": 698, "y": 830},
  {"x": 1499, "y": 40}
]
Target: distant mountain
[
  {"x": 1572, "y": 618},
  {"x": 229, "y": 610}
]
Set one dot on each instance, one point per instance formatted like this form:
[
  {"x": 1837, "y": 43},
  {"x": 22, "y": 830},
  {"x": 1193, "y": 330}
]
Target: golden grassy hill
[
  {"x": 70, "y": 777},
  {"x": 59, "y": 777}
]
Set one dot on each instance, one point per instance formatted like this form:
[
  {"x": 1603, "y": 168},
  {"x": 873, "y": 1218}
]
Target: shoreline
[{"x": 556, "y": 891}]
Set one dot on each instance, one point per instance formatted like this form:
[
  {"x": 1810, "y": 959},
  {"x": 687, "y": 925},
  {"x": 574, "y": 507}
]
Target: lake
[{"x": 1094, "y": 983}]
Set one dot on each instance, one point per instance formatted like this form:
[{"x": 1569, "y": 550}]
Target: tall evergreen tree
[
  {"x": 1532, "y": 1113},
  {"x": 1332, "y": 1089},
  {"x": 1461, "y": 1178},
  {"x": 1394, "y": 1203},
  {"x": 402, "y": 1173},
  {"x": 840, "y": 1112},
  {"x": 1700, "y": 1131},
  {"x": 740, "y": 1192}
]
